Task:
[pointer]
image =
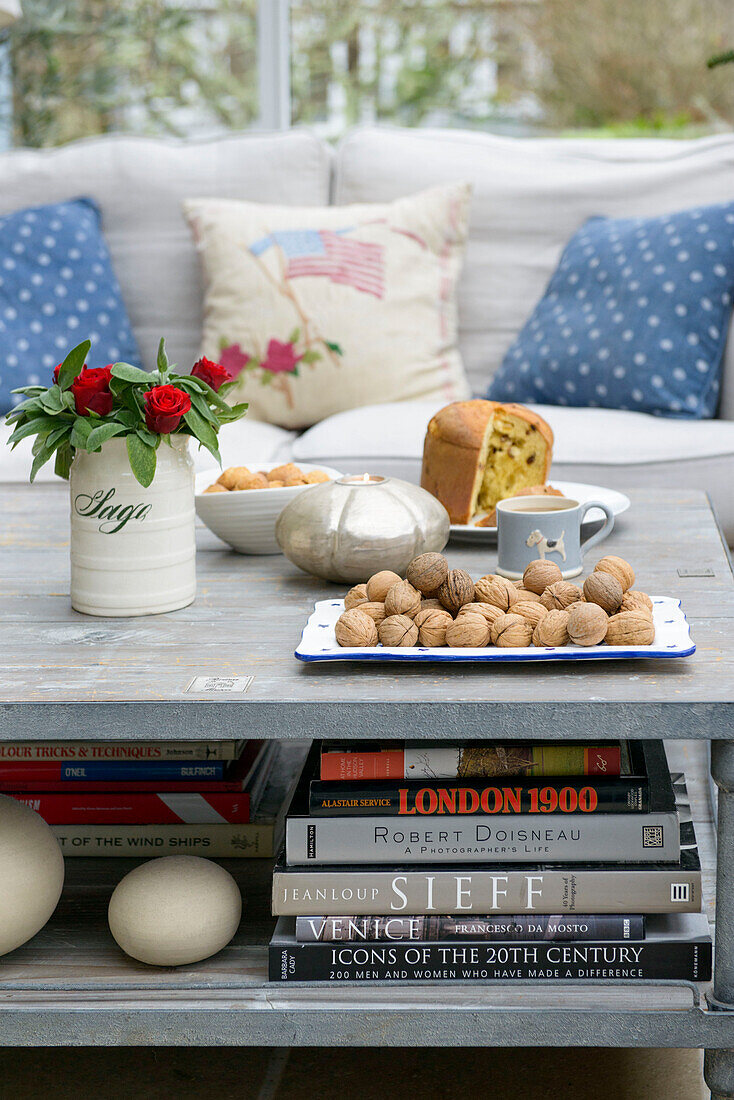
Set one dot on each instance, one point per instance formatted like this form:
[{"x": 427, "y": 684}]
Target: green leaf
[
  {"x": 294, "y": 336},
  {"x": 37, "y": 426},
  {"x": 80, "y": 432},
  {"x": 211, "y": 395},
  {"x": 149, "y": 437},
  {"x": 162, "y": 360},
  {"x": 72, "y": 364},
  {"x": 310, "y": 356},
  {"x": 142, "y": 459},
  {"x": 100, "y": 435},
  {"x": 129, "y": 417},
  {"x": 202, "y": 431},
  {"x": 62, "y": 465},
  {"x": 129, "y": 373},
  {"x": 41, "y": 459},
  {"x": 334, "y": 347},
  {"x": 51, "y": 400},
  {"x": 23, "y": 407},
  {"x": 30, "y": 391},
  {"x": 199, "y": 403}
]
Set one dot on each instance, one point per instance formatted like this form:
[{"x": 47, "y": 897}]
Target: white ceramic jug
[{"x": 133, "y": 550}]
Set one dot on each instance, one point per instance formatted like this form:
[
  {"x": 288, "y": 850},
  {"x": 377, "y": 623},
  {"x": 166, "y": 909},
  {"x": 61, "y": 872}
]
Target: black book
[{"x": 677, "y": 947}]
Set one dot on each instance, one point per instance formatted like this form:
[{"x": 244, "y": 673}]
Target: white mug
[{"x": 547, "y": 528}]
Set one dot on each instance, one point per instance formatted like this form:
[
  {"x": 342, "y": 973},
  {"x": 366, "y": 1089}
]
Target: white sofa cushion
[
  {"x": 530, "y": 195},
  {"x": 139, "y": 185},
  {"x": 601, "y": 446}
]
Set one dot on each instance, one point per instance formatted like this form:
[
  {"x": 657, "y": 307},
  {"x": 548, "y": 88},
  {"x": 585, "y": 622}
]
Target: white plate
[
  {"x": 672, "y": 639},
  {"x": 576, "y": 490}
]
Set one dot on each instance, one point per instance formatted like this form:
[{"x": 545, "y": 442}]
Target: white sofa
[{"x": 529, "y": 196}]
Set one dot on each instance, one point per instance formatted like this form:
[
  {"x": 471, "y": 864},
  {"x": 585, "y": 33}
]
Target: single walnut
[
  {"x": 355, "y": 596},
  {"x": 398, "y": 630},
  {"x": 559, "y": 595},
  {"x": 426, "y": 605},
  {"x": 317, "y": 477},
  {"x": 486, "y": 610},
  {"x": 552, "y": 630},
  {"x": 496, "y": 590},
  {"x": 531, "y": 612},
  {"x": 636, "y": 601},
  {"x": 276, "y": 485},
  {"x": 604, "y": 590},
  {"x": 402, "y": 599},
  {"x": 432, "y": 624},
  {"x": 291, "y": 481},
  {"x": 376, "y": 611},
  {"x": 468, "y": 631},
  {"x": 539, "y": 574},
  {"x": 587, "y": 624},
  {"x": 456, "y": 590},
  {"x": 380, "y": 584},
  {"x": 618, "y": 568},
  {"x": 216, "y": 488},
  {"x": 427, "y": 572},
  {"x": 354, "y": 629},
  {"x": 511, "y": 632},
  {"x": 232, "y": 474},
  {"x": 630, "y": 628},
  {"x": 525, "y": 594}
]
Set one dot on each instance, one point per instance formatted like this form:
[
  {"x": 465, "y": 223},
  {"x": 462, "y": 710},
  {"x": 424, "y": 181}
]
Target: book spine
[
  {"x": 89, "y": 786},
  {"x": 447, "y": 762},
  {"x": 106, "y": 750},
  {"x": 643, "y": 838},
  {"x": 416, "y": 798},
  {"x": 503, "y": 890},
  {"x": 35, "y": 771},
  {"x": 139, "y": 809},
  {"x": 495, "y": 929},
  {"x": 480, "y": 961},
  {"x": 218, "y": 841}
]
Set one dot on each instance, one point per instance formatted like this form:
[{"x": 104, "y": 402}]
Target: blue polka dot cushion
[
  {"x": 57, "y": 288},
  {"x": 635, "y": 317}
]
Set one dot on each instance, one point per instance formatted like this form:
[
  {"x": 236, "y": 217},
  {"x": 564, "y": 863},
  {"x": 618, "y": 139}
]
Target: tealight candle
[{"x": 360, "y": 479}]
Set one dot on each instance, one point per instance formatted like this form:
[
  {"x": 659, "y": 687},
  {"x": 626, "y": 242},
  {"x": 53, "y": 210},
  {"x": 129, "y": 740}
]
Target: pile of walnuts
[{"x": 437, "y": 606}]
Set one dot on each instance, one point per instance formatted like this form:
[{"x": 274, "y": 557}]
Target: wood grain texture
[{"x": 65, "y": 674}]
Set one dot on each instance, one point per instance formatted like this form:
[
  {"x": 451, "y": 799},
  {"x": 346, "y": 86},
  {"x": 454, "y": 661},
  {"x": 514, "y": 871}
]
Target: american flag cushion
[{"x": 320, "y": 310}]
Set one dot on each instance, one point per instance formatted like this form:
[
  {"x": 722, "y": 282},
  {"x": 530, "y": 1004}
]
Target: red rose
[
  {"x": 212, "y": 373},
  {"x": 164, "y": 407},
  {"x": 56, "y": 374},
  {"x": 280, "y": 358},
  {"x": 91, "y": 389}
]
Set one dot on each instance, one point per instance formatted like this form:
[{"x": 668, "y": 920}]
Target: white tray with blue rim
[{"x": 672, "y": 639}]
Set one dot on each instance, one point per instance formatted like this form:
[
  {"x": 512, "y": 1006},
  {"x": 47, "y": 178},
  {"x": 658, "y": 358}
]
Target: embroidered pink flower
[
  {"x": 233, "y": 359},
  {"x": 280, "y": 358}
]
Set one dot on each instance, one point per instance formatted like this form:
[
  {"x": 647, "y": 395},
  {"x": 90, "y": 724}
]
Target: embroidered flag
[{"x": 330, "y": 254}]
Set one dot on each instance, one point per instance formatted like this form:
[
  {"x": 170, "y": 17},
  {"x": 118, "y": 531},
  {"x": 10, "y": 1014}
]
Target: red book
[
  {"x": 139, "y": 809},
  {"x": 429, "y": 761}
]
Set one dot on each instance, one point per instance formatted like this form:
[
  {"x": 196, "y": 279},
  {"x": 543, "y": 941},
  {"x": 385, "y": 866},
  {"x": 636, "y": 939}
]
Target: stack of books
[
  {"x": 208, "y": 798},
  {"x": 494, "y": 861}
]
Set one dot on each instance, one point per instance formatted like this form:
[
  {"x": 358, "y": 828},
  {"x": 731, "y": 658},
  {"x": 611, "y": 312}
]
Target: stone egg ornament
[
  {"x": 175, "y": 910},
  {"x": 31, "y": 873}
]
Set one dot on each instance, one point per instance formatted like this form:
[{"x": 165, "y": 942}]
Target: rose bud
[
  {"x": 164, "y": 407},
  {"x": 212, "y": 373},
  {"x": 91, "y": 389}
]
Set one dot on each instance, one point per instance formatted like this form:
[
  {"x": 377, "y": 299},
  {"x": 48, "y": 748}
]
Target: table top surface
[{"x": 63, "y": 674}]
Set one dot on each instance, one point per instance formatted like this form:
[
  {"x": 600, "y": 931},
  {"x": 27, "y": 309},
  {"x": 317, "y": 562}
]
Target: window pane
[
  {"x": 523, "y": 66},
  {"x": 84, "y": 67}
]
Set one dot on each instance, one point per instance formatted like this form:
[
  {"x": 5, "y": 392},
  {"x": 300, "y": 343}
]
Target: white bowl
[{"x": 245, "y": 519}]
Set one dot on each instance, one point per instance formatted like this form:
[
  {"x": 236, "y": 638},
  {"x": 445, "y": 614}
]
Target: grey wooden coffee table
[{"x": 67, "y": 676}]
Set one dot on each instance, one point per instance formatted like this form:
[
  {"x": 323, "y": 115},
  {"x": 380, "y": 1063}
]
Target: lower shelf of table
[{"x": 72, "y": 986}]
